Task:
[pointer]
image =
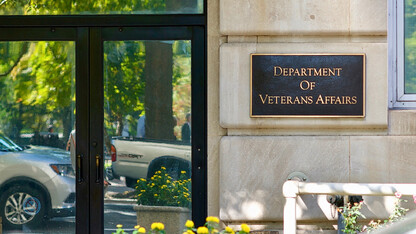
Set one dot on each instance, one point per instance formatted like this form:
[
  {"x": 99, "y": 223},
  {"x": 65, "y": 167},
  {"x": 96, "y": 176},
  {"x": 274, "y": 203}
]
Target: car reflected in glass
[{"x": 36, "y": 183}]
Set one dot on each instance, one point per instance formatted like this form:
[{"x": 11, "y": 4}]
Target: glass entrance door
[
  {"x": 94, "y": 121},
  {"x": 147, "y": 112},
  {"x": 37, "y": 176},
  {"x": 38, "y": 181}
]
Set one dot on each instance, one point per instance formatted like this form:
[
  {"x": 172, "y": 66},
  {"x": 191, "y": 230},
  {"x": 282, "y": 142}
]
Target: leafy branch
[{"x": 25, "y": 48}]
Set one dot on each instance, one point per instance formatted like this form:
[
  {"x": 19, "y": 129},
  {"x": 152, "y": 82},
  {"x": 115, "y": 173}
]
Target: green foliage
[
  {"x": 351, "y": 213},
  {"x": 181, "y": 81},
  {"x": 56, "y": 7},
  {"x": 37, "y": 85},
  {"x": 137, "y": 230},
  {"x": 72, "y": 7},
  {"x": 40, "y": 76},
  {"x": 37, "y": 78},
  {"x": 124, "y": 84},
  {"x": 53, "y": 71},
  {"x": 124, "y": 63},
  {"x": 119, "y": 230},
  {"x": 162, "y": 190},
  {"x": 399, "y": 212}
]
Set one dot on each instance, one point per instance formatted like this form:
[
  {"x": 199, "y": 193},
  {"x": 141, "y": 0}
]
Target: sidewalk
[{"x": 117, "y": 192}]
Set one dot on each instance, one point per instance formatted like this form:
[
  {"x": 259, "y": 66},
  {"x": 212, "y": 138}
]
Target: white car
[
  {"x": 141, "y": 158},
  {"x": 36, "y": 183}
]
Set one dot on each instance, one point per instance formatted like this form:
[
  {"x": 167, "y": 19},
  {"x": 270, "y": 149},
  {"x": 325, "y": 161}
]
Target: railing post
[
  {"x": 289, "y": 219},
  {"x": 290, "y": 192}
]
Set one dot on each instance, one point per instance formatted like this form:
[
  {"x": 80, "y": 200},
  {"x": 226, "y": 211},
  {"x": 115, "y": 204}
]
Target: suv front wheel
[{"x": 22, "y": 205}]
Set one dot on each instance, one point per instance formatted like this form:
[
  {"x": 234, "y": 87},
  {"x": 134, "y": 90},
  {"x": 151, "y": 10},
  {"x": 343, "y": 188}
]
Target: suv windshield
[{"x": 8, "y": 145}]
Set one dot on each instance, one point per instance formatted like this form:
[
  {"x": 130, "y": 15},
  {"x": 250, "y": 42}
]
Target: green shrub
[{"x": 162, "y": 190}]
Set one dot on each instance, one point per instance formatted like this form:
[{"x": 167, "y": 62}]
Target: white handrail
[{"x": 292, "y": 189}]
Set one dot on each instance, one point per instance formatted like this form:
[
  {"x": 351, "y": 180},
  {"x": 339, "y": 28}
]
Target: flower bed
[
  {"x": 211, "y": 226},
  {"x": 162, "y": 190}
]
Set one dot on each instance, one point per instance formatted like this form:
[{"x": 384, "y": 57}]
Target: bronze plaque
[{"x": 307, "y": 85}]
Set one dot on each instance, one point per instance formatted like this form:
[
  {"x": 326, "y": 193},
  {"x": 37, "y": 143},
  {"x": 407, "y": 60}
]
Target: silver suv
[{"x": 36, "y": 183}]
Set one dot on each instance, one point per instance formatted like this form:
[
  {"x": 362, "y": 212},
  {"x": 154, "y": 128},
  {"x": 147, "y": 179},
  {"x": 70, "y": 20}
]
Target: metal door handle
[
  {"x": 78, "y": 169},
  {"x": 97, "y": 163}
]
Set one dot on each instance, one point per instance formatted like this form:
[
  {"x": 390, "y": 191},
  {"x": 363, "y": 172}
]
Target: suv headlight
[{"x": 63, "y": 169}]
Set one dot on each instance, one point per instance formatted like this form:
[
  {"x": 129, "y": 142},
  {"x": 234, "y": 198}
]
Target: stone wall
[{"x": 251, "y": 158}]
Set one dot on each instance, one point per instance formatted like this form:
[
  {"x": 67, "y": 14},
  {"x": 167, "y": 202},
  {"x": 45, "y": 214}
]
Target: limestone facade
[{"x": 249, "y": 159}]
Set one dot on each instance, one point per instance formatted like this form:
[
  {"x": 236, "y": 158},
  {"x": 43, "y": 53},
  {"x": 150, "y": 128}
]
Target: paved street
[
  {"x": 116, "y": 211},
  {"x": 114, "y": 214},
  {"x": 119, "y": 214}
]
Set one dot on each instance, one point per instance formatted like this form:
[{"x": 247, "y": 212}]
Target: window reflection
[
  {"x": 37, "y": 103},
  {"x": 410, "y": 47},
  {"x": 86, "y": 7},
  {"x": 148, "y": 123}
]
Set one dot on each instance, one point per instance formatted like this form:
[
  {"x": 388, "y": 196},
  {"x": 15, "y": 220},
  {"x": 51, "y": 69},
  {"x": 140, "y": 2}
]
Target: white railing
[{"x": 292, "y": 189}]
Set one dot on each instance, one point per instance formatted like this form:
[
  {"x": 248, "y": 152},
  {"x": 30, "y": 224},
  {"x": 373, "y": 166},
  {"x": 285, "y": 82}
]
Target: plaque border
[{"x": 307, "y": 116}]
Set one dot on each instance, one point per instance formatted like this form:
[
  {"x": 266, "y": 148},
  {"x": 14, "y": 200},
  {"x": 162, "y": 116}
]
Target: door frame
[
  {"x": 84, "y": 30},
  {"x": 199, "y": 174},
  {"x": 81, "y": 38}
]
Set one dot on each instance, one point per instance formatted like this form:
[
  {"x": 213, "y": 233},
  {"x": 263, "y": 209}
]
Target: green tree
[
  {"x": 124, "y": 83},
  {"x": 57, "y": 7},
  {"x": 39, "y": 86}
]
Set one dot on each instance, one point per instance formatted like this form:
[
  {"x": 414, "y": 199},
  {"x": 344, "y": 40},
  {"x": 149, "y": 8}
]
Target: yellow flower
[
  {"x": 142, "y": 190},
  {"x": 143, "y": 179},
  {"x": 189, "y": 224},
  {"x": 167, "y": 181},
  {"x": 245, "y": 228},
  {"x": 155, "y": 194},
  {"x": 229, "y": 230},
  {"x": 142, "y": 230},
  {"x": 188, "y": 232},
  {"x": 213, "y": 219},
  {"x": 183, "y": 172},
  {"x": 137, "y": 227},
  {"x": 158, "y": 226},
  {"x": 202, "y": 230},
  {"x": 163, "y": 168},
  {"x": 119, "y": 226}
]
